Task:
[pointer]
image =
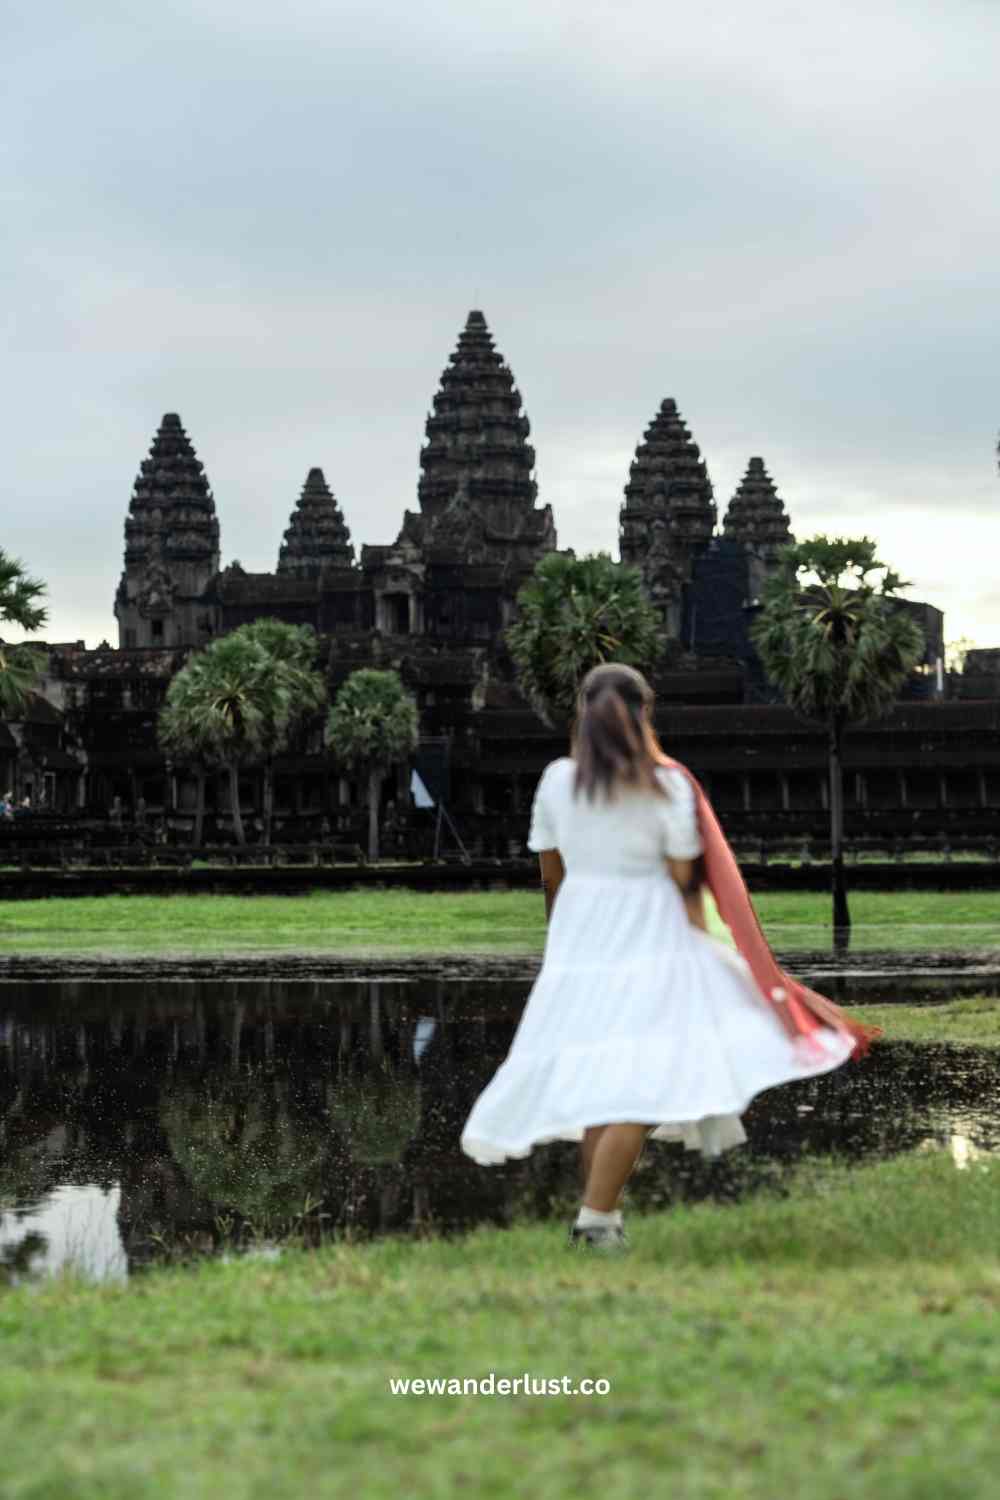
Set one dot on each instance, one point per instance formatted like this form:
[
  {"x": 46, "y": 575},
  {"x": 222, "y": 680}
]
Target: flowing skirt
[{"x": 636, "y": 1015}]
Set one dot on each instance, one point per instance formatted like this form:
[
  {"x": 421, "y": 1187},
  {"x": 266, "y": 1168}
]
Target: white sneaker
[{"x": 609, "y": 1238}]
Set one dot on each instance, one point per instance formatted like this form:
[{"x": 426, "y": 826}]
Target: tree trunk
[
  {"x": 841, "y": 914},
  {"x": 374, "y": 788},
  {"x": 199, "y": 811},
  {"x": 268, "y": 799},
  {"x": 234, "y": 789}
]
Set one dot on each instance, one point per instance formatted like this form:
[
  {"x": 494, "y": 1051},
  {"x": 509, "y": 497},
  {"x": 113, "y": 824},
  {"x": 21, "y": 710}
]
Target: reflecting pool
[{"x": 178, "y": 1117}]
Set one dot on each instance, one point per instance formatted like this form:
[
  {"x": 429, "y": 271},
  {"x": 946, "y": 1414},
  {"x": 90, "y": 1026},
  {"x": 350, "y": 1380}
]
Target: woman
[{"x": 639, "y": 1021}]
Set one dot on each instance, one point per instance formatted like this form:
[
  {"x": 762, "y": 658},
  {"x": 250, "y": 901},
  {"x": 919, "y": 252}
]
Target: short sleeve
[
  {"x": 679, "y": 818},
  {"x": 542, "y": 832}
]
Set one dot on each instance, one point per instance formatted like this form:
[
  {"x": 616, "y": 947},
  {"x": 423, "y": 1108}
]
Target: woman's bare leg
[
  {"x": 615, "y": 1153},
  {"x": 588, "y": 1146}
]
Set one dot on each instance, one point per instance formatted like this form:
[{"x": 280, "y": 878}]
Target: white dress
[{"x": 635, "y": 1014}]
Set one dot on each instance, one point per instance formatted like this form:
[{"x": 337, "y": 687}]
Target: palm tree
[
  {"x": 179, "y": 730},
  {"x": 20, "y": 665},
  {"x": 839, "y": 647},
  {"x": 574, "y": 613},
  {"x": 297, "y": 691},
  {"x": 218, "y": 708},
  {"x": 372, "y": 726}
]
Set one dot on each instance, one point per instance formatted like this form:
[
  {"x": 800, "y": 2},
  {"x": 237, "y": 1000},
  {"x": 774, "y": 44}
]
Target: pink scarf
[{"x": 799, "y": 1009}]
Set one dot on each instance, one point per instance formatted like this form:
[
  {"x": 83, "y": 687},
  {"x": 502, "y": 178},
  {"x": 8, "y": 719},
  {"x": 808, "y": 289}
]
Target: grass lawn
[
  {"x": 974, "y": 1022},
  {"x": 401, "y": 922},
  {"x": 837, "y": 1343}
]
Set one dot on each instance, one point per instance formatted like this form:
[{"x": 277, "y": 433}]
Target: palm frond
[
  {"x": 839, "y": 647},
  {"x": 20, "y": 668},
  {"x": 373, "y": 722},
  {"x": 240, "y": 698},
  {"x": 18, "y": 593},
  {"x": 574, "y": 613}
]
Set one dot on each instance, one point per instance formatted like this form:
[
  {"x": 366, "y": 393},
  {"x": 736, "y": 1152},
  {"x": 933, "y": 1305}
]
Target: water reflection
[
  {"x": 73, "y": 1228},
  {"x": 193, "y": 1115},
  {"x": 962, "y": 1149}
]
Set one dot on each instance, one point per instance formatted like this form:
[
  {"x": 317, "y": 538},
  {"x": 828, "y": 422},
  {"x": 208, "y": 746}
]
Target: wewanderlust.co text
[{"x": 502, "y": 1385}]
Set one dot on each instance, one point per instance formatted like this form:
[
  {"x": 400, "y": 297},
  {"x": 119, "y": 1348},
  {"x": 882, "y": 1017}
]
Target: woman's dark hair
[{"x": 613, "y": 736}]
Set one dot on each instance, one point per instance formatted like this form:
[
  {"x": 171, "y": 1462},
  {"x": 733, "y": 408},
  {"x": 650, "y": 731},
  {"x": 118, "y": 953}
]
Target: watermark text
[{"x": 498, "y": 1385}]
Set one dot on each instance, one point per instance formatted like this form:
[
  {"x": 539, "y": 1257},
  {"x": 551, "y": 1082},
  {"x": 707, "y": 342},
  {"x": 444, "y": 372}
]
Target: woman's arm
[
  {"x": 553, "y": 870},
  {"x": 689, "y": 875}
]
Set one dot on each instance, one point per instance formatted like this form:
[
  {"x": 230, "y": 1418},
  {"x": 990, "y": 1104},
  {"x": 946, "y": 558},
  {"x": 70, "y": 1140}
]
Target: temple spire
[
  {"x": 171, "y": 546},
  {"x": 477, "y": 433},
  {"x": 457, "y": 563},
  {"x": 669, "y": 513},
  {"x": 317, "y": 535},
  {"x": 172, "y": 500},
  {"x": 756, "y": 515}
]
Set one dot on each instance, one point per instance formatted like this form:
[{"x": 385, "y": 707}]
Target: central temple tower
[
  {"x": 458, "y": 562},
  {"x": 477, "y": 439}
]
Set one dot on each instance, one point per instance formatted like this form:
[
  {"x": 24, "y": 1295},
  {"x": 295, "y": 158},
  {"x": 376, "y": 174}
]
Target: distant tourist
[
  {"x": 140, "y": 813},
  {"x": 117, "y": 813},
  {"x": 639, "y": 1023}
]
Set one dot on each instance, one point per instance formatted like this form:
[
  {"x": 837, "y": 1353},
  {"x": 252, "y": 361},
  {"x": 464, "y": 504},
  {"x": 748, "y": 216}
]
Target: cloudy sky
[{"x": 274, "y": 220}]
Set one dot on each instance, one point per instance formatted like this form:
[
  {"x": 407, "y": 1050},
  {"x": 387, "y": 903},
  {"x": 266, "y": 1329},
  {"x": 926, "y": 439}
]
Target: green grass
[
  {"x": 838, "y": 1343},
  {"x": 972, "y": 1022},
  {"x": 408, "y": 922}
]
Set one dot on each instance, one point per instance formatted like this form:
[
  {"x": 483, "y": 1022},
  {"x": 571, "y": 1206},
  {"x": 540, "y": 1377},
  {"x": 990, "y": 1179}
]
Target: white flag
[{"x": 421, "y": 796}]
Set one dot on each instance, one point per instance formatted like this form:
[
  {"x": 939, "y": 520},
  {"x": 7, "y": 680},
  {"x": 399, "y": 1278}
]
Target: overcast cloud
[{"x": 274, "y": 220}]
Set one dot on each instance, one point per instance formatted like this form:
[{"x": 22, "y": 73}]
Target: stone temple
[
  {"x": 452, "y": 574},
  {"x": 434, "y": 604}
]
